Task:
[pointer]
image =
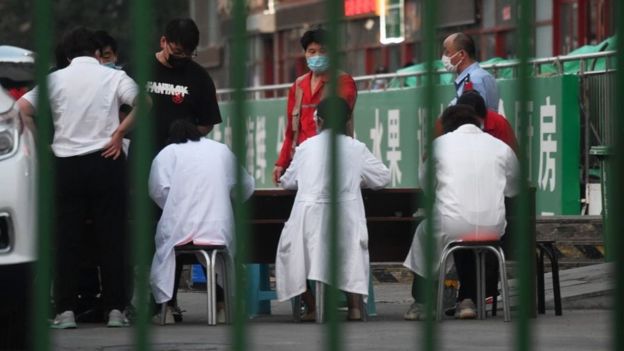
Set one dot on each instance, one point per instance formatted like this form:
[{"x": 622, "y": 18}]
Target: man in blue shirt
[{"x": 459, "y": 56}]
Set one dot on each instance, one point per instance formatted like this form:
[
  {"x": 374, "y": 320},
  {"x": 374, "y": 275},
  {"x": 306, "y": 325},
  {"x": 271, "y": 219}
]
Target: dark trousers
[
  {"x": 465, "y": 264},
  {"x": 467, "y": 274},
  {"x": 96, "y": 183}
]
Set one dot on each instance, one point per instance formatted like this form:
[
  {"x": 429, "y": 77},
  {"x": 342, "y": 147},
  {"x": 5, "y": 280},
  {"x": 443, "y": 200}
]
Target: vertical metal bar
[
  {"x": 430, "y": 43},
  {"x": 45, "y": 182},
  {"x": 143, "y": 144},
  {"x": 334, "y": 341},
  {"x": 523, "y": 246},
  {"x": 616, "y": 190},
  {"x": 238, "y": 61}
]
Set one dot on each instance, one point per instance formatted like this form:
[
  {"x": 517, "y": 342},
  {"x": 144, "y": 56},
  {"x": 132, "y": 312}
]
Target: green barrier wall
[{"x": 391, "y": 123}]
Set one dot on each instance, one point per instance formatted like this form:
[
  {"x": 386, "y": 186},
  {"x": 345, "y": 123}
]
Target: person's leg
[
  {"x": 354, "y": 303},
  {"x": 70, "y": 213},
  {"x": 467, "y": 274},
  {"x": 417, "y": 308},
  {"x": 108, "y": 200},
  {"x": 465, "y": 262}
]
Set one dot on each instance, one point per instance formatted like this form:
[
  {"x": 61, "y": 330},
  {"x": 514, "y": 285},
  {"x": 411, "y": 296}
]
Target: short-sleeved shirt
[
  {"x": 482, "y": 81},
  {"x": 84, "y": 99},
  {"x": 186, "y": 92}
]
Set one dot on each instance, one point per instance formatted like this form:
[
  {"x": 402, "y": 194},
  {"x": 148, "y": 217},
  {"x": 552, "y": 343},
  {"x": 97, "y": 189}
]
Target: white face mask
[{"x": 446, "y": 61}]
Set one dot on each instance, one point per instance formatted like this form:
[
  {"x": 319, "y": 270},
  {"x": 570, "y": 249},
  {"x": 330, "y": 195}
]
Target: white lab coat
[
  {"x": 193, "y": 183},
  {"x": 474, "y": 174},
  {"x": 303, "y": 249}
]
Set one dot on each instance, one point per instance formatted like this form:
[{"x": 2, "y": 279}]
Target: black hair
[
  {"x": 182, "y": 130},
  {"x": 184, "y": 32},
  {"x": 105, "y": 40},
  {"x": 318, "y": 35},
  {"x": 335, "y": 108},
  {"x": 79, "y": 42},
  {"x": 474, "y": 99},
  {"x": 465, "y": 42},
  {"x": 456, "y": 116},
  {"x": 60, "y": 57}
]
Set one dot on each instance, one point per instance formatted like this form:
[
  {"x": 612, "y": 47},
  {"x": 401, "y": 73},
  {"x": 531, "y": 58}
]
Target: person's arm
[
  {"x": 348, "y": 91},
  {"x": 375, "y": 174},
  {"x": 27, "y": 113},
  {"x": 509, "y": 137},
  {"x": 284, "y": 156},
  {"x": 486, "y": 86},
  {"x": 114, "y": 147},
  {"x": 209, "y": 113},
  {"x": 511, "y": 173},
  {"x": 159, "y": 182},
  {"x": 290, "y": 177}
]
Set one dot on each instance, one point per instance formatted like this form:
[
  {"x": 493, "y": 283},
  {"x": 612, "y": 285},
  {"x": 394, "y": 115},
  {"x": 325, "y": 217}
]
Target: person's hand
[
  {"x": 114, "y": 147},
  {"x": 277, "y": 173}
]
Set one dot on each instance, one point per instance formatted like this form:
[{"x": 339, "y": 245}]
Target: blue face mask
[
  {"x": 110, "y": 65},
  {"x": 318, "y": 63}
]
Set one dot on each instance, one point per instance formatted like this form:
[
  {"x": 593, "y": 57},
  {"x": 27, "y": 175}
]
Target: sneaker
[
  {"x": 416, "y": 312},
  {"x": 220, "y": 313},
  {"x": 354, "y": 314},
  {"x": 466, "y": 309},
  {"x": 65, "y": 320},
  {"x": 177, "y": 313},
  {"x": 157, "y": 319},
  {"x": 117, "y": 319}
]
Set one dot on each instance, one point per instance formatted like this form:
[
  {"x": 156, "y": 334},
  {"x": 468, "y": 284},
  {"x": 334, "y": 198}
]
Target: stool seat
[
  {"x": 195, "y": 247},
  {"x": 475, "y": 238}
]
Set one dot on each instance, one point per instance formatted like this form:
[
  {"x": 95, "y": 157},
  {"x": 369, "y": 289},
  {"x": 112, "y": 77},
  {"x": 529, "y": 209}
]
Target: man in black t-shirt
[{"x": 178, "y": 86}]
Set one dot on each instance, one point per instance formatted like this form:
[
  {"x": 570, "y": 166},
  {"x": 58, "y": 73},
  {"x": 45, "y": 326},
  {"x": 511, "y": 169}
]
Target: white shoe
[
  {"x": 65, "y": 320},
  {"x": 466, "y": 309},
  {"x": 221, "y": 313},
  {"x": 416, "y": 312},
  {"x": 157, "y": 319},
  {"x": 117, "y": 319}
]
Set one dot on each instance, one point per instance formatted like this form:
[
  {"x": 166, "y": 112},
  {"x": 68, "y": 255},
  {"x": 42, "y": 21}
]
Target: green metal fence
[{"x": 141, "y": 231}]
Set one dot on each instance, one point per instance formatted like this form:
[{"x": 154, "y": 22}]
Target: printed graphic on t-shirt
[{"x": 177, "y": 92}]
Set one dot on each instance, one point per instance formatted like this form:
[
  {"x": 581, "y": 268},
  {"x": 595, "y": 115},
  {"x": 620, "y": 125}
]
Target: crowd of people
[{"x": 192, "y": 178}]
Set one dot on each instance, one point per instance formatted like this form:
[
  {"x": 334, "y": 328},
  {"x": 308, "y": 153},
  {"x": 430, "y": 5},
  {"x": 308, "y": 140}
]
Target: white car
[{"x": 18, "y": 240}]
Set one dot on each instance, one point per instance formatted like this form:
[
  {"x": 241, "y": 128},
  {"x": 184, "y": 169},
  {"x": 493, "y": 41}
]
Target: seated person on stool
[
  {"x": 303, "y": 249},
  {"x": 193, "y": 181},
  {"x": 473, "y": 173}
]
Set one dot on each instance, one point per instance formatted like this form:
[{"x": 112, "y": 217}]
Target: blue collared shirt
[{"x": 482, "y": 81}]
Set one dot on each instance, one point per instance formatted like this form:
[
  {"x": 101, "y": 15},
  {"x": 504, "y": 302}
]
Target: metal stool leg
[
  {"x": 541, "y": 304},
  {"x": 480, "y": 283},
  {"x": 441, "y": 275},
  {"x": 296, "y": 308},
  {"x": 500, "y": 255},
  {"x": 163, "y": 313},
  {"x": 554, "y": 264},
  {"x": 320, "y": 302}
]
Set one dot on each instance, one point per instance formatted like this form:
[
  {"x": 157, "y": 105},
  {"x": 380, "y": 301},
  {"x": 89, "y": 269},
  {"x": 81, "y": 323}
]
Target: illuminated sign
[{"x": 360, "y": 7}]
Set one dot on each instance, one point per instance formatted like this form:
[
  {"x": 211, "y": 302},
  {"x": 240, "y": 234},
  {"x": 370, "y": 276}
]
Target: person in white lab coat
[
  {"x": 303, "y": 249},
  {"x": 474, "y": 172},
  {"x": 192, "y": 180}
]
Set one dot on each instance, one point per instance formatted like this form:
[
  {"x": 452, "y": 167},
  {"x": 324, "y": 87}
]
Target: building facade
[{"x": 275, "y": 26}]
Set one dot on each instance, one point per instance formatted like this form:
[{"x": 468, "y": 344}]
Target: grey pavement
[{"x": 586, "y": 329}]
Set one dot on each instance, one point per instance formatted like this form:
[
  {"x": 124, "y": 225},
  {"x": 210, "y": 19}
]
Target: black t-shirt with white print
[{"x": 186, "y": 92}]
